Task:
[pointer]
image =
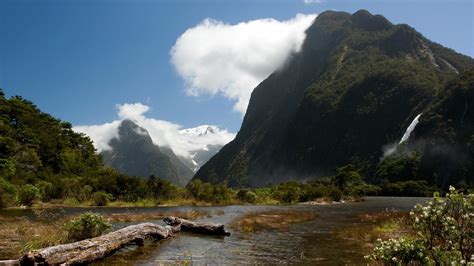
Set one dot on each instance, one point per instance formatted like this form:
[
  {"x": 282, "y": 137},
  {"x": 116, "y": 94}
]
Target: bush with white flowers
[{"x": 444, "y": 234}]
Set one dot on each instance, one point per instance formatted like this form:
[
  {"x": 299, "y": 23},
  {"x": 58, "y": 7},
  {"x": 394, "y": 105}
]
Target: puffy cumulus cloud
[
  {"x": 183, "y": 142},
  {"x": 131, "y": 110},
  {"x": 218, "y": 58}
]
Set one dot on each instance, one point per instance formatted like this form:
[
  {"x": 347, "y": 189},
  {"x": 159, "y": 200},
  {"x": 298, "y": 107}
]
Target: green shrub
[
  {"x": 312, "y": 192},
  {"x": 400, "y": 251},
  {"x": 100, "y": 198},
  {"x": 334, "y": 194},
  {"x": 7, "y": 193},
  {"x": 246, "y": 195},
  {"x": 27, "y": 194},
  {"x": 86, "y": 193},
  {"x": 288, "y": 192},
  {"x": 204, "y": 191},
  {"x": 46, "y": 190},
  {"x": 445, "y": 234},
  {"x": 87, "y": 225},
  {"x": 361, "y": 190}
]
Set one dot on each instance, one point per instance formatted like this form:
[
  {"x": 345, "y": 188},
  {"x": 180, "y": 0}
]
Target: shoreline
[{"x": 132, "y": 205}]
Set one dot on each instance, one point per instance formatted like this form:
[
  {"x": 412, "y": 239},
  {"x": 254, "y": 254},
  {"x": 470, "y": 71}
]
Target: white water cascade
[
  {"x": 391, "y": 148},
  {"x": 410, "y": 129}
]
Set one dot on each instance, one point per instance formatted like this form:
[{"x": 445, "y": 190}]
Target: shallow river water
[{"x": 311, "y": 243}]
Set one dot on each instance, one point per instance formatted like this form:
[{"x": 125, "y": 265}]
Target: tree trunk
[
  {"x": 88, "y": 250},
  {"x": 200, "y": 228}
]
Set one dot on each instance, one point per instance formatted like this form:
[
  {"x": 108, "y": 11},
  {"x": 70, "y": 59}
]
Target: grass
[
  {"x": 372, "y": 226},
  {"x": 272, "y": 220},
  {"x": 68, "y": 202},
  {"x": 18, "y": 236}
]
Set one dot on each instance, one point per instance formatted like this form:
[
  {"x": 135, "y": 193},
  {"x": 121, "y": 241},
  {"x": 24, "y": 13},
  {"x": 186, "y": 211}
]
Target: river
[{"x": 312, "y": 242}]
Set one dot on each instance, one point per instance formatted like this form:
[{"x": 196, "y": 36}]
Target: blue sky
[{"x": 78, "y": 59}]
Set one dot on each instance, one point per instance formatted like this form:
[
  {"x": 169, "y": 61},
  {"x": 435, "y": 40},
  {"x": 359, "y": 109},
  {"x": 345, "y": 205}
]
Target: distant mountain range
[
  {"x": 348, "y": 97},
  {"x": 134, "y": 153}
]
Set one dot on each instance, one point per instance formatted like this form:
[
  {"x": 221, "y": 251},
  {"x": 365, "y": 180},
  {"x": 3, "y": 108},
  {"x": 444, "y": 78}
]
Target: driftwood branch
[
  {"x": 200, "y": 228},
  {"x": 89, "y": 250}
]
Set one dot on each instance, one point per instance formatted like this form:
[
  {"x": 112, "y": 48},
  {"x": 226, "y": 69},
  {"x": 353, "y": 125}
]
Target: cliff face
[{"x": 354, "y": 87}]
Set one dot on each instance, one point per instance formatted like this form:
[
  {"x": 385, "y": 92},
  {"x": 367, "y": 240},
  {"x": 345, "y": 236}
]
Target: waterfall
[
  {"x": 410, "y": 129},
  {"x": 391, "y": 148}
]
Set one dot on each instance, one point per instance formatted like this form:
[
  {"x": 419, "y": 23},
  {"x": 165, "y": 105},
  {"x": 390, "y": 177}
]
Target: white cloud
[
  {"x": 218, "y": 58},
  {"x": 163, "y": 133},
  {"x": 131, "y": 110},
  {"x": 308, "y": 2},
  {"x": 100, "y": 134}
]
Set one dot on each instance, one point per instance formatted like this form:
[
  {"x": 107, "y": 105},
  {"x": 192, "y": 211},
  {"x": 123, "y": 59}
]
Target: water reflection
[{"x": 311, "y": 242}]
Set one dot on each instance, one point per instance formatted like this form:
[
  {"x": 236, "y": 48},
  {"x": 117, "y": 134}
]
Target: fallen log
[
  {"x": 200, "y": 228},
  {"x": 89, "y": 250},
  {"x": 9, "y": 262}
]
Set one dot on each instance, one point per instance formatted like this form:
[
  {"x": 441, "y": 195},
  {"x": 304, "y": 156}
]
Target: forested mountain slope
[{"x": 353, "y": 89}]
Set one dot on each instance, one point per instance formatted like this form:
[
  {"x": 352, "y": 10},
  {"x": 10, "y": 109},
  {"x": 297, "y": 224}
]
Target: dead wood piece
[
  {"x": 197, "y": 227},
  {"x": 88, "y": 250}
]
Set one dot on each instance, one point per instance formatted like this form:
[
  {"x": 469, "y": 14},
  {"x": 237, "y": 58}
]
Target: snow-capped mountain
[
  {"x": 204, "y": 134},
  {"x": 201, "y": 130}
]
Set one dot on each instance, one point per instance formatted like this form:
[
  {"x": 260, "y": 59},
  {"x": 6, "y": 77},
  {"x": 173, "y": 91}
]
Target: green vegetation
[
  {"x": 100, "y": 198},
  {"x": 87, "y": 225},
  {"x": 19, "y": 235},
  {"x": 43, "y": 162},
  {"x": 442, "y": 232},
  {"x": 27, "y": 194}
]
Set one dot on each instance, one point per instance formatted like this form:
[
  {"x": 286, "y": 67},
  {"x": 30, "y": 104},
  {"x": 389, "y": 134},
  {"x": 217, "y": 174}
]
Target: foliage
[
  {"x": 246, "y": 195},
  {"x": 399, "y": 168},
  {"x": 46, "y": 190},
  {"x": 204, "y": 191},
  {"x": 289, "y": 192},
  {"x": 347, "y": 175},
  {"x": 399, "y": 251},
  {"x": 87, "y": 225},
  {"x": 410, "y": 188},
  {"x": 161, "y": 189},
  {"x": 100, "y": 198},
  {"x": 27, "y": 194},
  {"x": 445, "y": 233},
  {"x": 7, "y": 192},
  {"x": 334, "y": 193},
  {"x": 34, "y": 145}
]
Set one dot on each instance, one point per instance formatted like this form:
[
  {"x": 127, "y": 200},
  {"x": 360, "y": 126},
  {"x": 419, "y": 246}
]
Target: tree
[
  {"x": 100, "y": 198},
  {"x": 27, "y": 194},
  {"x": 347, "y": 175}
]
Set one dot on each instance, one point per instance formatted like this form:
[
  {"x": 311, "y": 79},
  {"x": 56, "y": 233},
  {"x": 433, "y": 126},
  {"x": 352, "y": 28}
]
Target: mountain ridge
[
  {"x": 318, "y": 111},
  {"x": 134, "y": 153}
]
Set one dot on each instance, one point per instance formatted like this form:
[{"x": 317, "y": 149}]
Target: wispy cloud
[
  {"x": 163, "y": 133},
  {"x": 218, "y": 58},
  {"x": 308, "y": 2}
]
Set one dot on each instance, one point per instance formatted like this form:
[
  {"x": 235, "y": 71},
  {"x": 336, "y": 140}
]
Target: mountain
[
  {"x": 440, "y": 149},
  {"x": 354, "y": 88},
  {"x": 203, "y": 134},
  {"x": 134, "y": 153}
]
